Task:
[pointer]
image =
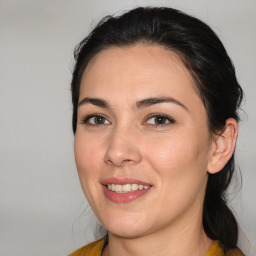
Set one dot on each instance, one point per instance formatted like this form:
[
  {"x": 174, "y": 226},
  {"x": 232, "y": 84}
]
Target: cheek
[
  {"x": 180, "y": 165},
  {"x": 87, "y": 157},
  {"x": 86, "y": 153},
  {"x": 179, "y": 159},
  {"x": 169, "y": 153}
]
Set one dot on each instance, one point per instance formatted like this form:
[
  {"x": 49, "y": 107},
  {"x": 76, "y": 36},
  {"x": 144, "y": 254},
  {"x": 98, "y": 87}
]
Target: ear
[{"x": 223, "y": 146}]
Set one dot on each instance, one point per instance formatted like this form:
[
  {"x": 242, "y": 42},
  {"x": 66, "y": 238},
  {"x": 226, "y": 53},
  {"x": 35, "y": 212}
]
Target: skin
[{"x": 175, "y": 157}]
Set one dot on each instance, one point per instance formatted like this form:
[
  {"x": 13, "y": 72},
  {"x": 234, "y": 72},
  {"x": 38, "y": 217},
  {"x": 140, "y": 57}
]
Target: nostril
[{"x": 109, "y": 162}]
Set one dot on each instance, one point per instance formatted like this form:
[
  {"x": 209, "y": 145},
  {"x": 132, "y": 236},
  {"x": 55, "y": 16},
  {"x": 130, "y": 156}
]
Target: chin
[
  {"x": 126, "y": 226},
  {"x": 128, "y": 232}
]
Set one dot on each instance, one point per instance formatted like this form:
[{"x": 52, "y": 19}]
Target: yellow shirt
[{"x": 95, "y": 249}]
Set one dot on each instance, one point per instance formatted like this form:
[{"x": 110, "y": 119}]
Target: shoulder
[
  {"x": 92, "y": 249},
  {"x": 216, "y": 250}
]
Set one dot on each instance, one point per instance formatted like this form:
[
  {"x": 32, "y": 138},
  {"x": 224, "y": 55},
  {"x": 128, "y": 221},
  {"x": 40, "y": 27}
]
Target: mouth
[{"x": 125, "y": 190}]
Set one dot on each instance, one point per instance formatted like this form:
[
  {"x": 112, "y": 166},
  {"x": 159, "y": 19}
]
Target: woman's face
[{"x": 142, "y": 144}]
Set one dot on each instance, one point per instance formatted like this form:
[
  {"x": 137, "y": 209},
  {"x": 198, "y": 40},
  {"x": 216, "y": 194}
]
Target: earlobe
[{"x": 223, "y": 146}]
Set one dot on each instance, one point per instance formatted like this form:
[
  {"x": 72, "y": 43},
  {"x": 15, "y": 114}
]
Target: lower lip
[{"x": 124, "y": 197}]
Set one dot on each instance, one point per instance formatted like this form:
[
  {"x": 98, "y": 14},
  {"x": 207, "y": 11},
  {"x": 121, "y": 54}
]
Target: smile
[{"x": 126, "y": 188}]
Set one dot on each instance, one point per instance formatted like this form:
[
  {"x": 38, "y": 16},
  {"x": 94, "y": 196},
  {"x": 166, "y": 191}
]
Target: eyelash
[
  {"x": 155, "y": 115},
  {"x": 160, "y": 115},
  {"x": 88, "y": 117}
]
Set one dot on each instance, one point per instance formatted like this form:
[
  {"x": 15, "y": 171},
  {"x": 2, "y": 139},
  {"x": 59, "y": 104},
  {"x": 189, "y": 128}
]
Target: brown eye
[
  {"x": 160, "y": 120},
  {"x": 98, "y": 120},
  {"x": 95, "y": 120}
]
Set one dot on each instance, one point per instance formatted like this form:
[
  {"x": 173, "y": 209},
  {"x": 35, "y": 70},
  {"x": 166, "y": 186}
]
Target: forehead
[{"x": 136, "y": 70}]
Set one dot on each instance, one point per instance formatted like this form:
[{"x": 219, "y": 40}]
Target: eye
[
  {"x": 159, "y": 120},
  {"x": 95, "y": 120}
]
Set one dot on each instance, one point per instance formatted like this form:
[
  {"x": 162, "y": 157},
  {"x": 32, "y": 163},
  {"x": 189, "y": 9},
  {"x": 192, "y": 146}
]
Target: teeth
[
  {"x": 126, "y": 188},
  {"x": 118, "y": 188},
  {"x": 135, "y": 187}
]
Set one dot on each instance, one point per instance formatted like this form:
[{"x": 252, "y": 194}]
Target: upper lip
[{"x": 123, "y": 181}]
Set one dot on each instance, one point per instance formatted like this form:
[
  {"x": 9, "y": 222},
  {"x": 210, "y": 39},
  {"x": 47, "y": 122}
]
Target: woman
[{"x": 155, "y": 101}]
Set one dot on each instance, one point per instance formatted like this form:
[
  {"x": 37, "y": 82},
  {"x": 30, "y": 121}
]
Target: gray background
[{"x": 42, "y": 208}]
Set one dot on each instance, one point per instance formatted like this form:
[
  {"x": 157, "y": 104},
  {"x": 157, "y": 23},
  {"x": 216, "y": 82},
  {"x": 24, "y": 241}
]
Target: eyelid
[
  {"x": 88, "y": 117},
  {"x": 170, "y": 119}
]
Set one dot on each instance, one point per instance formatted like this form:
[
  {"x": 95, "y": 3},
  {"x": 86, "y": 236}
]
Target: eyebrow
[
  {"x": 94, "y": 101},
  {"x": 156, "y": 100},
  {"x": 139, "y": 104}
]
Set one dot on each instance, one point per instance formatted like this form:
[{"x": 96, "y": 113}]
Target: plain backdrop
[{"x": 42, "y": 207}]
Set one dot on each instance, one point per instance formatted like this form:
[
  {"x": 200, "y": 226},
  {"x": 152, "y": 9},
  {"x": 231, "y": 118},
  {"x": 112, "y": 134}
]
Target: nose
[{"x": 122, "y": 148}]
